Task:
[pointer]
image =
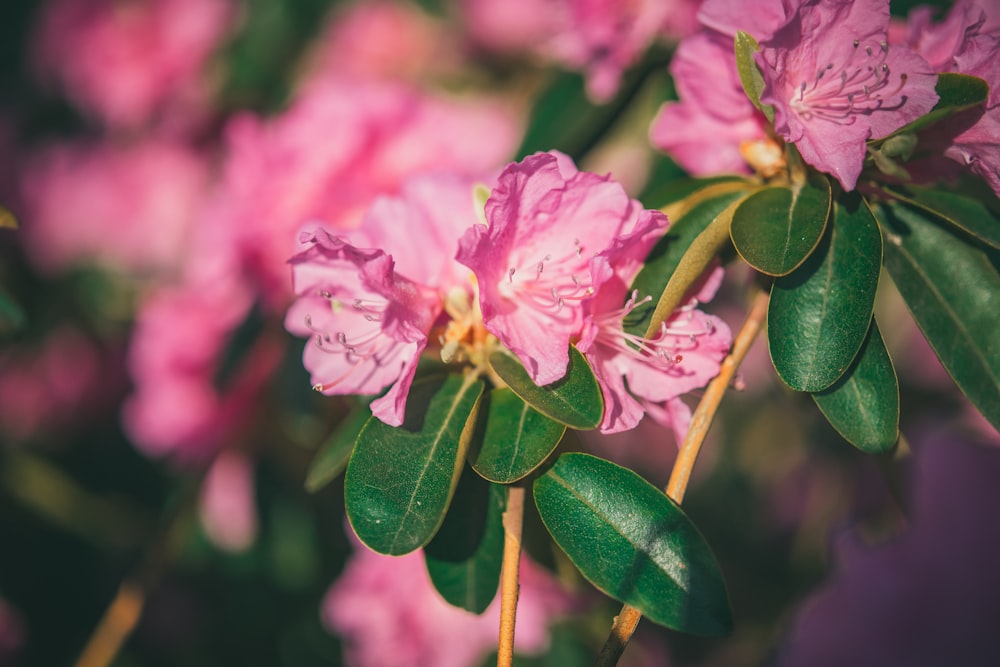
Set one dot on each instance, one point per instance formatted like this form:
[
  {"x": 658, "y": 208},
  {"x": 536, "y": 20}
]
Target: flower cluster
[
  {"x": 836, "y": 75},
  {"x": 552, "y": 268}
]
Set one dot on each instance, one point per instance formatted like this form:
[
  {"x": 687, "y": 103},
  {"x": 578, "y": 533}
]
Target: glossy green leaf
[
  {"x": 777, "y": 228},
  {"x": 952, "y": 288},
  {"x": 516, "y": 438},
  {"x": 331, "y": 460},
  {"x": 863, "y": 405},
  {"x": 633, "y": 543},
  {"x": 819, "y": 314},
  {"x": 12, "y": 317},
  {"x": 400, "y": 480},
  {"x": 668, "y": 253},
  {"x": 966, "y": 213},
  {"x": 691, "y": 191},
  {"x": 575, "y": 400},
  {"x": 957, "y": 92},
  {"x": 464, "y": 559},
  {"x": 750, "y": 76}
]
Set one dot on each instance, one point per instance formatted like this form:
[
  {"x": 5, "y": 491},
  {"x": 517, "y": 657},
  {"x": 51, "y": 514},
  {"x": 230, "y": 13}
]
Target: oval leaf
[
  {"x": 575, "y": 400},
  {"x": 516, "y": 440},
  {"x": 951, "y": 288},
  {"x": 956, "y": 92},
  {"x": 776, "y": 229},
  {"x": 965, "y": 213},
  {"x": 333, "y": 455},
  {"x": 863, "y": 405},
  {"x": 400, "y": 481},
  {"x": 633, "y": 543},
  {"x": 819, "y": 314},
  {"x": 464, "y": 559}
]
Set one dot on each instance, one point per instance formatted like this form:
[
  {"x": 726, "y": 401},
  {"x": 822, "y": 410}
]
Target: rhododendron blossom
[
  {"x": 546, "y": 222},
  {"x": 835, "y": 83}
]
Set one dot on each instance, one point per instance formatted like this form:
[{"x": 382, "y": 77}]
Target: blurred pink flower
[
  {"x": 56, "y": 384},
  {"x": 546, "y": 222},
  {"x": 383, "y": 39},
  {"x": 834, "y": 83},
  {"x": 179, "y": 407},
  {"x": 962, "y": 43},
  {"x": 13, "y": 634},
  {"x": 126, "y": 207},
  {"x": 704, "y": 131},
  {"x": 389, "y": 615},
  {"x": 602, "y": 38},
  {"x": 926, "y": 598},
  {"x": 337, "y": 147},
  {"x": 228, "y": 508},
  {"x": 131, "y": 61}
]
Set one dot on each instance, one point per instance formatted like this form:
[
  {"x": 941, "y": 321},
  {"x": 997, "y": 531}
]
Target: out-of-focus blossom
[
  {"x": 228, "y": 509},
  {"x": 326, "y": 158},
  {"x": 705, "y": 131},
  {"x": 384, "y": 39},
  {"x": 128, "y": 208},
  {"x": 55, "y": 385},
  {"x": 389, "y": 614},
  {"x": 835, "y": 83},
  {"x": 179, "y": 406},
  {"x": 546, "y": 222},
  {"x": 961, "y": 43},
  {"x": 132, "y": 61},
  {"x": 731, "y": 16},
  {"x": 602, "y": 38},
  {"x": 926, "y": 598}
]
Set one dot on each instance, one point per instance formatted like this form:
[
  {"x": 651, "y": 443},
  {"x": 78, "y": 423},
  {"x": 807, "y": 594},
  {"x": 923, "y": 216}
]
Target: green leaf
[
  {"x": 400, "y": 480},
  {"x": 951, "y": 288},
  {"x": 633, "y": 543},
  {"x": 957, "y": 92},
  {"x": 689, "y": 230},
  {"x": 464, "y": 559},
  {"x": 689, "y": 192},
  {"x": 819, "y": 314},
  {"x": 966, "y": 213},
  {"x": 331, "y": 460},
  {"x": 551, "y": 127},
  {"x": 12, "y": 317},
  {"x": 777, "y": 228},
  {"x": 575, "y": 400},
  {"x": 863, "y": 405},
  {"x": 750, "y": 76},
  {"x": 517, "y": 439}
]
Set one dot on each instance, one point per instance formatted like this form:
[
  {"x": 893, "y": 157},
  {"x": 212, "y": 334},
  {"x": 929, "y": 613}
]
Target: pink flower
[
  {"x": 389, "y": 614},
  {"x": 706, "y": 129},
  {"x": 383, "y": 39},
  {"x": 368, "y": 324},
  {"x": 835, "y": 82},
  {"x": 179, "y": 407},
  {"x": 546, "y": 222},
  {"x": 374, "y": 136},
  {"x": 639, "y": 375},
  {"x": 962, "y": 43},
  {"x": 228, "y": 509},
  {"x": 128, "y": 62},
  {"x": 730, "y": 16},
  {"x": 129, "y": 208}
]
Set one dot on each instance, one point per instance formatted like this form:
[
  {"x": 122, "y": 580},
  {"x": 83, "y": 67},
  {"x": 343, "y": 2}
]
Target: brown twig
[
  {"x": 626, "y": 621},
  {"x": 513, "y": 521}
]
